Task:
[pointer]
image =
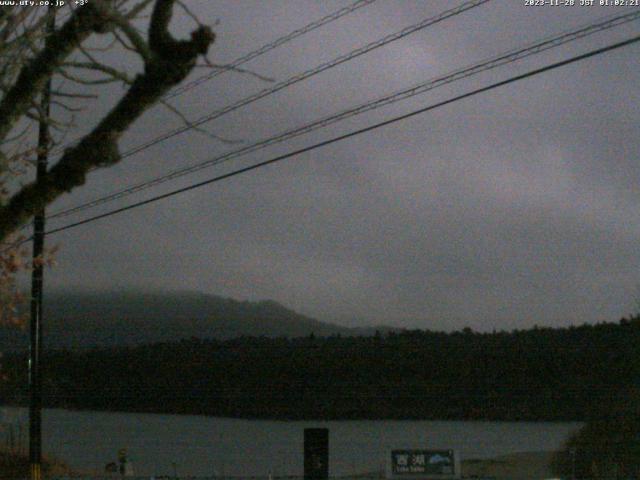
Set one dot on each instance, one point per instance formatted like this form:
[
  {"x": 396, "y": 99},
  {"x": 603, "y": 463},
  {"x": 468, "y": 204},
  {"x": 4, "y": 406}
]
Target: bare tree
[{"x": 30, "y": 57}]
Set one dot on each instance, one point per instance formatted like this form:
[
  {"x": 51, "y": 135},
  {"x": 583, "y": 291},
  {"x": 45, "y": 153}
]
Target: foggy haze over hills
[{"x": 119, "y": 318}]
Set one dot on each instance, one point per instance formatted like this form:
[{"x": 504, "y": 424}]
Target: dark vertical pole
[
  {"x": 316, "y": 453},
  {"x": 35, "y": 350}
]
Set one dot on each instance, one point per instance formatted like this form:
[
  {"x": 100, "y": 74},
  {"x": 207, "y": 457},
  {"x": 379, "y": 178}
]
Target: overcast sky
[{"x": 515, "y": 207}]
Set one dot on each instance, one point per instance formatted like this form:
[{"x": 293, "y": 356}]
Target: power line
[
  {"x": 354, "y": 133},
  {"x": 255, "y": 53},
  {"x": 270, "y": 46},
  {"x": 309, "y": 73},
  {"x": 303, "y": 76},
  {"x": 494, "y": 62}
]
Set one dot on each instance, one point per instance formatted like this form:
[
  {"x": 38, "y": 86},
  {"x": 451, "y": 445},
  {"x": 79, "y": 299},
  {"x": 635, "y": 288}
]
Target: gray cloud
[{"x": 516, "y": 207}]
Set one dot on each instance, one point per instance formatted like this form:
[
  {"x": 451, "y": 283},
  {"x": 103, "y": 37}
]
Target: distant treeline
[{"x": 540, "y": 374}]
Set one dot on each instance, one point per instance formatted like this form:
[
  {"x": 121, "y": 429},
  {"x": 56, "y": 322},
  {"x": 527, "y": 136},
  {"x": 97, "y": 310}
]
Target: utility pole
[{"x": 35, "y": 350}]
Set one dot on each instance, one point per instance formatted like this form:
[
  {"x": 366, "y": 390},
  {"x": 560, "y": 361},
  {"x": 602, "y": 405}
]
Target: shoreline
[
  {"x": 296, "y": 419},
  {"x": 521, "y": 465}
]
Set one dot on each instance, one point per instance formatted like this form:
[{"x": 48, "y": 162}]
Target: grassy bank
[{"x": 15, "y": 465}]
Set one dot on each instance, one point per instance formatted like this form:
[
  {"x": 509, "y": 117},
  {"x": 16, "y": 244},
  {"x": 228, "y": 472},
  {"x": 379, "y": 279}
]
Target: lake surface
[{"x": 202, "y": 446}]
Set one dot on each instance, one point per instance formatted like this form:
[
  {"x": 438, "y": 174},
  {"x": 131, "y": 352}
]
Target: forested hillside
[{"x": 539, "y": 374}]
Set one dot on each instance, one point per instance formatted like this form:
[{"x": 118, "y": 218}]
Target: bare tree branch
[
  {"x": 137, "y": 41},
  {"x": 195, "y": 128},
  {"x": 58, "y": 93},
  {"x": 170, "y": 61},
  {"x": 231, "y": 68},
  {"x": 85, "y": 20},
  {"x": 83, "y": 81}
]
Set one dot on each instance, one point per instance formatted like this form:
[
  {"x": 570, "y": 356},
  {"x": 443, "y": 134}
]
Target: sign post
[
  {"x": 316, "y": 453},
  {"x": 423, "y": 464}
]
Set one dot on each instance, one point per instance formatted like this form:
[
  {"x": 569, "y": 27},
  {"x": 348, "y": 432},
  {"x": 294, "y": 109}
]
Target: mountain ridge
[{"x": 79, "y": 320}]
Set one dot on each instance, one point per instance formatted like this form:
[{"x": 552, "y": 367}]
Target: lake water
[{"x": 203, "y": 446}]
